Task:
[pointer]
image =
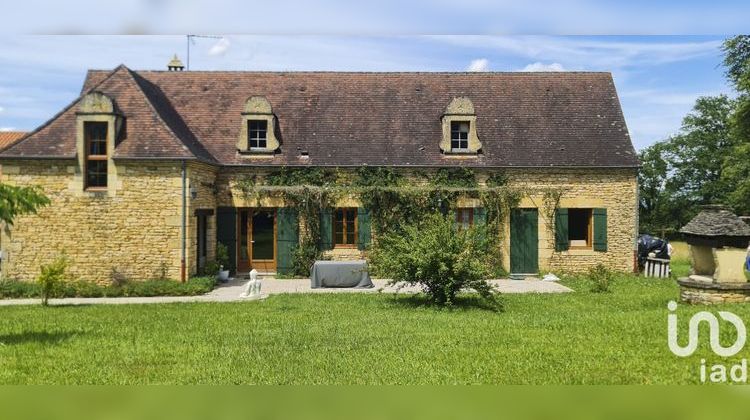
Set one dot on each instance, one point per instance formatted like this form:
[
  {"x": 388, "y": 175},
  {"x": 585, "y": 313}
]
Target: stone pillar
[{"x": 703, "y": 260}]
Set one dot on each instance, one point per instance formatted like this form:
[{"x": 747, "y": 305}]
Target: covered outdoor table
[{"x": 340, "y": 274}]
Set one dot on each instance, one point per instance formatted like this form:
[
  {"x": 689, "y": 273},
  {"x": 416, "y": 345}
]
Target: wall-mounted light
[{"x": 193, "y": 192}]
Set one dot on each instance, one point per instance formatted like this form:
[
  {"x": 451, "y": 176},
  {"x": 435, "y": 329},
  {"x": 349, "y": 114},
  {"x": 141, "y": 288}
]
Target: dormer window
[
  {"x": 95, "y": 136},
  {"x": 257, "y": 136},
  {"x": 256, "y": 132},
  {"x": 459, "y": 135},
  {"x": 459, "y": 123},
  {"x": 98, "y": 123}
]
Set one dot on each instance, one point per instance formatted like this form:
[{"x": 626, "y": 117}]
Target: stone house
[{"x": 142, "y": 168}]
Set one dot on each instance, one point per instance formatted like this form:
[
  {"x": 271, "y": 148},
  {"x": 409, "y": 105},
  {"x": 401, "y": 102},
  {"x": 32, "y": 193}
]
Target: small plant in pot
[{"x": 222, "y": 259}]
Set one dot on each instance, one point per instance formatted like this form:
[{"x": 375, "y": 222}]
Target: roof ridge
[
  {"x": 64, "y": 110},
  {"x": 194, "y": 142},
  {"x": 416, "y": 72}
]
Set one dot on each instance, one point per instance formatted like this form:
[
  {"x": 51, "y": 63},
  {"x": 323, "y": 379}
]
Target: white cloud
[
  {"x": 220, "y": 47},
  {"x": 480, "y": 64},
  {"x": 581, "y": 52},
  {"x": 539, "y": 66},
  {"x": 7, "y": 129},
  {"x": 1, "y": 110}
]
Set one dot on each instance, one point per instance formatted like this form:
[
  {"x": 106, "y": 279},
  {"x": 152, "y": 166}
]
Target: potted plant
[{"x": 222, "y": 258}]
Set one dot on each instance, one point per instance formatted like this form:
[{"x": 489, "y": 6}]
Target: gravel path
[{"x": 230, "y": 292}]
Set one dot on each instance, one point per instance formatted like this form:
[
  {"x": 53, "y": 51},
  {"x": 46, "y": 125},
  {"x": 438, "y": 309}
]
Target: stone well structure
[{"x": 718, "y": 241}]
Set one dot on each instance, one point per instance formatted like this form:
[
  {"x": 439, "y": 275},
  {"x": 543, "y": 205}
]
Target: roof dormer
[
  {"x": 98, "y": 123},
  {"x": 257, "y": 133},
  {"x": 460, "y": 128}
]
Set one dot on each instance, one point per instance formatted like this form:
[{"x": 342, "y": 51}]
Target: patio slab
[{"x": 230, "y": 292}]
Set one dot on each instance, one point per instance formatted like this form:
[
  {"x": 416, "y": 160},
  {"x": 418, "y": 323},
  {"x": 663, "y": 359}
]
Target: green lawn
[{"x": 580, "y": 337}]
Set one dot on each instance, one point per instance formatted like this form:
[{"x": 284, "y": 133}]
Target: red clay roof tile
[{"x": 339, "y": 119}]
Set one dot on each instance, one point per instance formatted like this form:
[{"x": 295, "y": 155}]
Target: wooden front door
[
  {"x": 524, "y": 241},
  {"x": 257, "y": 240},
  {"x": 263, "y": 240}
]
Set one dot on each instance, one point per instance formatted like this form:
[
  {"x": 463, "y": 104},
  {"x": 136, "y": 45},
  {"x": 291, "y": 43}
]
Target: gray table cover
[{"x": 340, "y": 274}]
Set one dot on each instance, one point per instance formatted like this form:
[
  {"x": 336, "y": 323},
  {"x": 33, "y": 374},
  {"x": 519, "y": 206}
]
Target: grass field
[{"x": 581, "y": 337}]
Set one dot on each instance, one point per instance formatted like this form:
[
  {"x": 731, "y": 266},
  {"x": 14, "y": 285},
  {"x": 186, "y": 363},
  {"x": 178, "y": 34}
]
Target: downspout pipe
[
  {"x": 183, "y": 273},
  {"x": 637, "y": 223}
]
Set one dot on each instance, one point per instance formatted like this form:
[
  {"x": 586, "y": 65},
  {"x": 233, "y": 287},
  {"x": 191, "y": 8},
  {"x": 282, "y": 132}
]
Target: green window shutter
[
  {"x": 363, "y": 228},
  {"x": 326, "y": 229},
  {"x": 480, "y": 219},
  {"x": 226, "y": 233},
  {"x": 562, "y": 242},
  {"x": 600, "y": 230},
  {"x": 287, "y": 239},
  {"x": 480, "y": 216}
]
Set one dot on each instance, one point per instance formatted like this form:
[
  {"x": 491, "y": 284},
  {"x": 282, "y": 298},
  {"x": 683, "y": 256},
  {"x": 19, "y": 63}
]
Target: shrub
[
  {"x": 14, "y": 289},
  {"x": 437, "y": 256},
  {"x": 222, "y": 256},
  {"x": 212, "y": 268},
  {"x": 80, "y": 289},
  {"x": 601, "y": 278},
  {"x": 51, "y": 278},
  {"x": 159, "y": 287},
  {"x": 304, "y": 256}
]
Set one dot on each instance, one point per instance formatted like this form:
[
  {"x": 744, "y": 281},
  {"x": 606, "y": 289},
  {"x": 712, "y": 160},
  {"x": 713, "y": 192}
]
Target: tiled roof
[
  {"x": 523, "y": 119},
  {"x": 716, "y": 220},
  {"x": 9, "y": 137}
]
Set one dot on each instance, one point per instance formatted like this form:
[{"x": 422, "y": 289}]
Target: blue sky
[{"x": 658, "y": 77}]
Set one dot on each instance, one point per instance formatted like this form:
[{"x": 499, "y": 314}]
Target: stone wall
[
  {"x": 710, "y": 295},
  {"x": 201, "y": 178},
  {"x": 135, "y": 226},
  {"x": 135, "y": 231},
  {"x": 613, "y": 189}
]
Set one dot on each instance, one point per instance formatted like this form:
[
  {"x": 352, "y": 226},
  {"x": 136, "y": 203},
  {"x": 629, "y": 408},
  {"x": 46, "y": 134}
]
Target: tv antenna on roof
[{"x": 191, "y": 40}]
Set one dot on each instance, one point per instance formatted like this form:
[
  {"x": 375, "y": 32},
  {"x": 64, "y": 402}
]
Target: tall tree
[
  {"x": 737, "y": 59},
  {"x": 686, "y": 170},
  {"x": 654, "y": 205},
  {"x": 737, "y": 163},
  {"x": 697, "y": 153}
]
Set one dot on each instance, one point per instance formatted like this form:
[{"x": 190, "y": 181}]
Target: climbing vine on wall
[
  {"x": 392, "y": 199},
  {"x": 550, "y": 203}
]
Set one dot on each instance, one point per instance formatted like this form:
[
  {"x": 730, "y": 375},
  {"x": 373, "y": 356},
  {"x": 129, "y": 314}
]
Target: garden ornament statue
[
  {"x": 551, "y": 277},
  {"x": 252, "y": 290}
]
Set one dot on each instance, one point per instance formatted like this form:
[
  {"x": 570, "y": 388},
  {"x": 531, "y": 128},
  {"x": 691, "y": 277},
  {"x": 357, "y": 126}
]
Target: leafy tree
[
  {"x": 654, "y": 204},
  {"x": 686, "y": 170},
  {"x": 737, "y": 59},
  {"x": 737, "y": 163},
  {"x": 438, "y": 256},
  {"x": 696, "y": 154},
  {"x": 15, "y": 201}
]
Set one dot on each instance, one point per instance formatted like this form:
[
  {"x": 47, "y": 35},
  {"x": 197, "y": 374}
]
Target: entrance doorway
[
  {"x": 524, "y": 241},
  {"x": 257, "y": 240}
]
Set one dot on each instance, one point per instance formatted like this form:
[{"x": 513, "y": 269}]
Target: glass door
[{"x": 262, "y": 239}]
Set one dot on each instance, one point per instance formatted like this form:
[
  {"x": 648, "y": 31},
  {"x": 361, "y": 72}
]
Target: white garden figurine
[
  {"x": 252, "y": 290},
  {"x": 550, "y": 277}
]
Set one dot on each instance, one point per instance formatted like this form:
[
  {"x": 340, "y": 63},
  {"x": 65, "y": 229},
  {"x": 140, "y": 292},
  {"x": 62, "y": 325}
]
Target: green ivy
[
  {"x": 497, "y": 179},
  {"x": 393, "y": 202},
  {"x": 317, "y": 176},
  {"x": 455, "y": 177},
  {"x": 376, "y": 176}
]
